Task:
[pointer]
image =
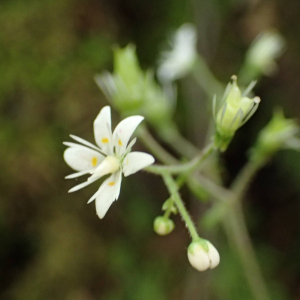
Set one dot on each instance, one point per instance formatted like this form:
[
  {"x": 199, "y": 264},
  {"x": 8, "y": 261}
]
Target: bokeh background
[{"x": 52, "y": 245}]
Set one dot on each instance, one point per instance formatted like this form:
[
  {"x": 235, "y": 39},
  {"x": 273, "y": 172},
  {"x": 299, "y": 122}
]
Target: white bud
[
  {"x": 163, "y": 226},
  {"x": 203, "y": 255}
]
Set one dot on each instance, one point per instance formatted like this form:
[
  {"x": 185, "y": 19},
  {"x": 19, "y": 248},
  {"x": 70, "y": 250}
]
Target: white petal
[
  {"x": 123, "y": 132},
  {"x": 136, "y": 161},
  {"x": 109, "y": 191},
  {"x": 75, "y": 175},
  {"x": 82, "y": 158},
  {"x": 213, "y": 255},
  {"x": 84, "y": 142},
  {"x": 82, "y": 185},
  {"x": 102, "y": 130},
  {"x": 106, "y": 83},
  {"x": 70, "y": 144}
]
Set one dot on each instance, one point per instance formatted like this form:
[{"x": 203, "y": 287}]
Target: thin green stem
[
  {"x": 206, "y": 80},
  {"x": 187, "y": 168},
  {"x": 245, "y": 177},
  {"x": 171, "y": 135},
  {"x": 173, "y": 190},
  {"x": 148, "y": 140},
  {"x": 237, "y": 231},
  {"x": 169, "y": 209}
]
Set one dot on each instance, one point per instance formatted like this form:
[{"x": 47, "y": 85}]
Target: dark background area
[{"x": 53, "y": 246}]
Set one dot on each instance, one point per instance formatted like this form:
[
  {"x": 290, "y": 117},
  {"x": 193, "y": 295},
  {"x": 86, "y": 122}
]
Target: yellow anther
[
  {"x": 120, "y": 143},
  {"x": 111, "y": 183},
  {"x": 105, "y": 140},
  {"x": 94, "y": 161}
]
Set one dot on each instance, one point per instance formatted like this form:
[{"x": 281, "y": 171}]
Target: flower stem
[
  {"x": 173, "y": 190},
  {"x": 206, "y": 80},
  {"x": 148, "y": 140},
  {"x": 187, "y": 168},
  {"x": 171, "y": 135},
  {"x": 237, "y": 231}
]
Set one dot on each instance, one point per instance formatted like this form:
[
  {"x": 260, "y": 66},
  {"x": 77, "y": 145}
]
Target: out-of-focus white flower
[
  {"x": 203, "y": 255},
  {"x": 177, "y": 62},
  {"x": 267, "y": 47},
  {"x": 233, "y": 112},
  {"x": 112, "y": 156}
]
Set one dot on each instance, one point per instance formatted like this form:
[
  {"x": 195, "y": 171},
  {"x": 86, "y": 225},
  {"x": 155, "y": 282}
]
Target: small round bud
[
  {"x": 163, "y": 226},
  {"x": 203, "y": 255}
]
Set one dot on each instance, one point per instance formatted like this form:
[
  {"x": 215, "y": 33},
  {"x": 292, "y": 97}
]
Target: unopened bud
[
  {"x": 279, "y": 133},
  {"x": 163, "y": 226},
  {"x": 235, "y": 110},
  {"x": 203, "y": 255}
]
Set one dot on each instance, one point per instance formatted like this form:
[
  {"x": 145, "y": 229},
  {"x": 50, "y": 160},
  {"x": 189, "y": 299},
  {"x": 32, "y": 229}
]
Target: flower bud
[
  {"x": 279, "y": 133},
  {"x": 126, "y": 64},
  {"x": 235, "y": 110},
  {"x": 163, "y": 226},
  {"x": 203, "y": 255},
  {"x": 132, "y": 90}
]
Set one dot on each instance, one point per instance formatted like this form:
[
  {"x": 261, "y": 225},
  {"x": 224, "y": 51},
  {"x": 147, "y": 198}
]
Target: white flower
[
  {"x": 267, "y": 47},
  {"x": 177, "y": 62},
  {"x": 203, "y": 255},
  {"x": 112, "y": 156}
]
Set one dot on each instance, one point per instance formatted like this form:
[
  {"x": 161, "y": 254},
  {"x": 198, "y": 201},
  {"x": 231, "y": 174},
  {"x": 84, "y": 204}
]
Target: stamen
[
  {"x": 111, "y": 183},
  {"x": 120, "y": 142},
  {"x": 105, "y": 140}
]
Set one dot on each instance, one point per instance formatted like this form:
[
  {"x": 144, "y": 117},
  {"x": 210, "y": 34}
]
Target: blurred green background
[{"x": 53, "y": 246}]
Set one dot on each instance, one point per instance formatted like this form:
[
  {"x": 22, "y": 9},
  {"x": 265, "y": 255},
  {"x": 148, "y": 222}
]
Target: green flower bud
[
  {"x": 203, "y": 255},
  {"x": 163, "y": 226},
  {"x": 235, "y": 110},
  {"x": 134, "y": 91},
  {"x": 126, "y": 65},
  {"x": 278, "y": 134},
  {"x": 169, "y": 204}
]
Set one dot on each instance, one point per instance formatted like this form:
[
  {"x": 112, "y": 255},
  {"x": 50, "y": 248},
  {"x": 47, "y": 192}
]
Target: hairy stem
[{"x": 173, "y": 190}]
